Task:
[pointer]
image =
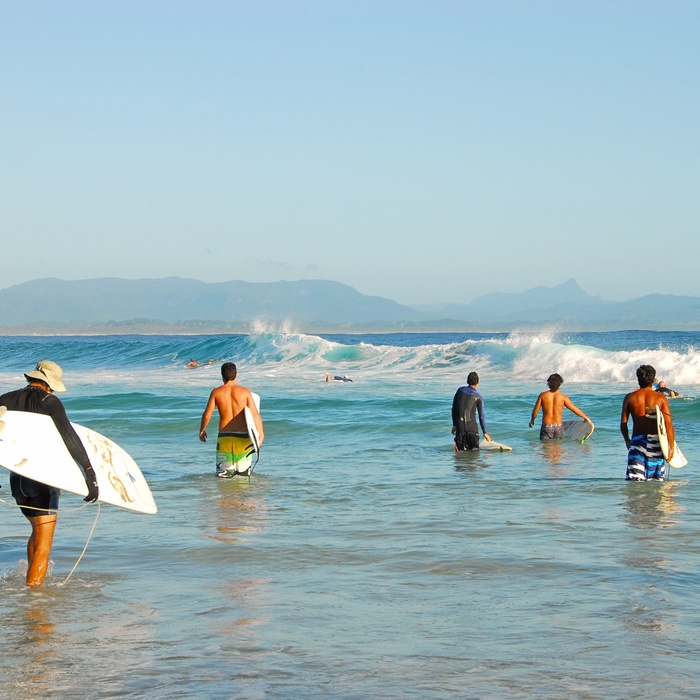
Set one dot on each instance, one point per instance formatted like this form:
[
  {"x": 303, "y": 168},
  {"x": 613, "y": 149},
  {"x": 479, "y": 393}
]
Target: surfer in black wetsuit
[
  {"x": 37, "y": 501},
  {"x": 466, "y": 404}
]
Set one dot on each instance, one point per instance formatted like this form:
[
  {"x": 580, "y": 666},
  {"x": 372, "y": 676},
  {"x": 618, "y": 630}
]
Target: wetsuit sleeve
[
  {"x": 67, "y": 432},
  {"x": 455, "y": 409},
  {"x": 8, "y": 400},
  {"x": 482, "y": 417}
]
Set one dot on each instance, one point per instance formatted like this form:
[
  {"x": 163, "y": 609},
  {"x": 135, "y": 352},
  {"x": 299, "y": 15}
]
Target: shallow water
[{"x": 365, "y": 558}]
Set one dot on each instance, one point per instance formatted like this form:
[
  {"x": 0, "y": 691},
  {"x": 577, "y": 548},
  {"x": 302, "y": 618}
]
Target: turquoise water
[{"x": 365, "y": 559}]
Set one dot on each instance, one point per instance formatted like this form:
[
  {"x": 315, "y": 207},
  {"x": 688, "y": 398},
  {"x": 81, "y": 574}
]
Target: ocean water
[{"x": 365, "y": 559}]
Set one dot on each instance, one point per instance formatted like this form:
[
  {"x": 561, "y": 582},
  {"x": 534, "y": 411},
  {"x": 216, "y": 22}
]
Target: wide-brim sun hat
[{"x": 49, "y": 372}]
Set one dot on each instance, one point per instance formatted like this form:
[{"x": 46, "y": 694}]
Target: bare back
[
  {"x": 553, "y": 404},
  {"x": 641, "y": 406},
  {"x": 552, "y": 407},
  {"x": 230, "y": 400}
]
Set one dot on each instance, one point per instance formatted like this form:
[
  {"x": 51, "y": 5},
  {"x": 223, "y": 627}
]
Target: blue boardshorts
[
  {"x": 645, "y": 460},
  {"x": 33, "y": 497}
]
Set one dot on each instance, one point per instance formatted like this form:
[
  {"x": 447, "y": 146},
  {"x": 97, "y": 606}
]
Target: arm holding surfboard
[
  {"x": 38, "y": 397},
  {"x": 77, "y": 450}
]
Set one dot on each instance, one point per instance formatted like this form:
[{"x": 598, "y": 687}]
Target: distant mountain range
[{"x": 182, "y": 305}]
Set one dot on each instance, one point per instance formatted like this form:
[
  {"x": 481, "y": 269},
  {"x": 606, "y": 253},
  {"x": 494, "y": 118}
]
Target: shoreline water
[{"x": 365, "y": 558}]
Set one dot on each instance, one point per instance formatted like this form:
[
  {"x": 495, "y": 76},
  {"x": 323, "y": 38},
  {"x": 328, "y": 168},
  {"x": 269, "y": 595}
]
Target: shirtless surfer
[
  {"x": 553, "y": 402},
  {"x": 233, "y": 442},
  {"x": 645, "y": 460}
]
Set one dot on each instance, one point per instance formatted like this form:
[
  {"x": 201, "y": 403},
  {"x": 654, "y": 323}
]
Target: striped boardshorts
[{"x": 645, "y": 460}]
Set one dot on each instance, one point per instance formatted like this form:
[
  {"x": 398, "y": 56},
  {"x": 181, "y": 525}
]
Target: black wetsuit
[
  {"x": 466, "y": 403},
  {"x": 34, "y": 399}
]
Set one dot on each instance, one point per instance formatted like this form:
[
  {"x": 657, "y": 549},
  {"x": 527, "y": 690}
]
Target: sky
[{"x": 422, "y": 151}]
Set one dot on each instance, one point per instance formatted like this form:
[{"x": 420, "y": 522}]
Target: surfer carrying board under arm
[
  {"x": 553, "y": 402},
  {"x": 229, "y": 400},
  {"x": 37, "y": 501},
  {"x": 645, "y": 461}
]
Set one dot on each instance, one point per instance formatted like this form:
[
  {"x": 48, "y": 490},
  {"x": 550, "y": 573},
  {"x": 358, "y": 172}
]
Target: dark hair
[
  {"x": 472, "y": 379},
  {"x": 554, "y": 381},
  {"x": 228, "y": 371},
  {"x": 646, "y": 375},
  {"x": 34, "y": 380}
]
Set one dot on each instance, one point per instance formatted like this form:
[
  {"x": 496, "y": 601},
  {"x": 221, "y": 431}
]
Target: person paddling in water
[
  {"x": 553, "y": 402},
  {"x": 645, "y": 461},
  {"x": 661, "y": 387}
]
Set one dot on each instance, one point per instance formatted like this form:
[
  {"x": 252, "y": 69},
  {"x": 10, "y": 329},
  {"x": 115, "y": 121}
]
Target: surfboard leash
[
  {"x": 44, "y": 510},
  {"x": 63, "y": 510},
  {"x": 92, "y": 530},
  {"x": 252, "y": 451}
]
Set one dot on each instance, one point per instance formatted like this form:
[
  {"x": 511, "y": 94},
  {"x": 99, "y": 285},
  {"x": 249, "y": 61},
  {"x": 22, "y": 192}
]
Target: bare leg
[{"x": 39, "y": 548}]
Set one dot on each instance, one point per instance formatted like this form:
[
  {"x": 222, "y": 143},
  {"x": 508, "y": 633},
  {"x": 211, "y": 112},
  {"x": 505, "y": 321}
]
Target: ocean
[{"x": 365, "y": 559}]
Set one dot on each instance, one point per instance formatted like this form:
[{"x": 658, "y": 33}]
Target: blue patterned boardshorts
[{"x": 645, "y": 460}]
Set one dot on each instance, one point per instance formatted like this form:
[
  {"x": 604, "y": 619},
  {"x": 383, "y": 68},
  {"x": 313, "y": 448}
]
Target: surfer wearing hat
[
  {"x": 37, "y": 501},
  {"x": 229, "y": 400},
  {"x": 645, "y": 461}
]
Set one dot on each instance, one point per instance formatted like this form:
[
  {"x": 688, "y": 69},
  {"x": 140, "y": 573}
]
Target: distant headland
[{"x": 173, "y": 305}]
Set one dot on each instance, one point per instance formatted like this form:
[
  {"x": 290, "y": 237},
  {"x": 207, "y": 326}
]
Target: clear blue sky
[{"x": 422, "y": 151}]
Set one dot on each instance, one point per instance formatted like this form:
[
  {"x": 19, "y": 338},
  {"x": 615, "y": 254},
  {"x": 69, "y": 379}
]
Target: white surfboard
[
  {"x": 579, "y": 430},
  {"x": 678, "y": 460},
  {"x": 30, "y": 445},
  {"x": 493, "y": 445},
  {"x": 252, "y": 429}
]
